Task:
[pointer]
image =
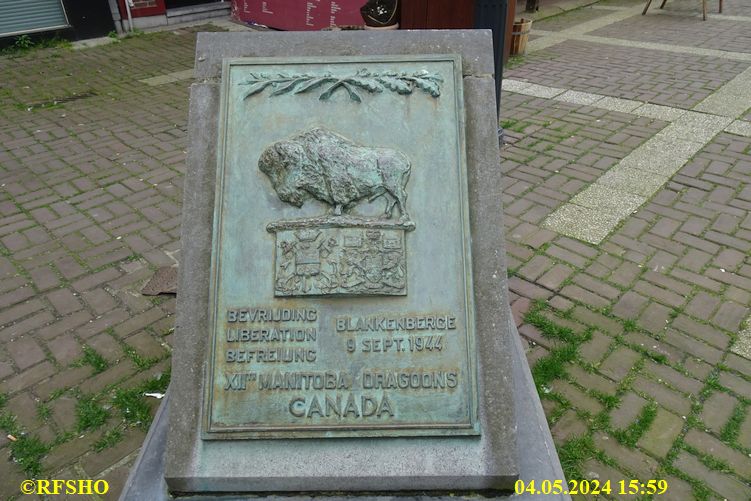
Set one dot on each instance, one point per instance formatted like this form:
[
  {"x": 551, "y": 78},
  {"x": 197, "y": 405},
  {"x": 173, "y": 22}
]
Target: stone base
[{"x": 536, "y": 452}]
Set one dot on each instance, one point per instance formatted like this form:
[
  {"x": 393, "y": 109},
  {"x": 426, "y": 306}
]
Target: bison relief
[{"x": 325, "y": 166}]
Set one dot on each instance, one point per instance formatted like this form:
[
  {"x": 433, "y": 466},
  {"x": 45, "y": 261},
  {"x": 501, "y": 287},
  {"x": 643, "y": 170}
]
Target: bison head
[{"x": 282, "y": 163}]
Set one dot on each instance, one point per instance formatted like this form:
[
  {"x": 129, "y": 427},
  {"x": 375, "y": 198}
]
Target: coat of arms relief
[{"x": 338, "y": 253}]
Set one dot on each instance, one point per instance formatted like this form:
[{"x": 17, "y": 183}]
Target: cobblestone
[
  {"x": 670, "y": 286},
  {"x": 630, "y": 406},
  {"x": 717, "y": 411},
  {"x": 725, "y": 485},
  {"x": 661, "y": 435},
  {"x": 77, "y": 176}
]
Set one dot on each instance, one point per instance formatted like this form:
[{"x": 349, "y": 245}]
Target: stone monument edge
[
  {"x": 192, "y": 321},
  {"x": 188, "y": 360},
  {"x": 471, "y": 45}
]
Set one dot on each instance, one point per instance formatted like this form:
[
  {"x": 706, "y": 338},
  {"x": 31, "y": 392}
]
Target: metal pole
[{"x": 491, "y": 14}]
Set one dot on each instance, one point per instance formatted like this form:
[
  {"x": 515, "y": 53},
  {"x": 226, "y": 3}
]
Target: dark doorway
[{"x": 89, "y": 18}]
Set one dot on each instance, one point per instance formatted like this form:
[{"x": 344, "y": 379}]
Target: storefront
[
  {"x": 71, "y": 18},
  {"x": 30, "y": 16},
  {"x": 150, "y": 13}
]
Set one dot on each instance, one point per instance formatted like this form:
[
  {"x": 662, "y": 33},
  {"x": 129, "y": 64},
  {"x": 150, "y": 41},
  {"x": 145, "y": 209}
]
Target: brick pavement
[
  {"x": 645, "y": 384},
  {"x": 645, "y": 75},
  {"x": 714, "y": 33},
  {"x": 630, "y": 340},
  {"x": 91, "y": 173}
]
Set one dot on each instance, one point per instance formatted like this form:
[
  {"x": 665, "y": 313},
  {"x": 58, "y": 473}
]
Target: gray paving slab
[
  {"x": 633, "y": 180},
  {"x": 609, "y": 199},
  {"x": 739, "y": 127},
  {"x": 583, "y": 223}
]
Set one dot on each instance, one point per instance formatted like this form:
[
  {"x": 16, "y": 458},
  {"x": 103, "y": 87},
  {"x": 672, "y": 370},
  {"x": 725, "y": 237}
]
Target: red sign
[{"x": 299, "y": 15}]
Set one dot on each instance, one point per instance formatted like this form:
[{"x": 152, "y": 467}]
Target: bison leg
[
  {"x": 338, "y": 210},
  {"x": 390, "y": 203},
  {"x": 401, "y": 201}
]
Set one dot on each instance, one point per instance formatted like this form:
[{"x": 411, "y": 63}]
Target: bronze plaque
[{"x": 341, "y": 288}]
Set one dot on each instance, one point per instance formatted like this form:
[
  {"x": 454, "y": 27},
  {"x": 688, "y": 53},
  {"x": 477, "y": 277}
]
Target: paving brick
[
  {"x": 665, "y": 428},
  {"x": 112, "y": 375},
  {"x": 678, "y": 488},
  {"x": 138, "y": 322},
  {"x": 744, "y": 435},
  {"x": 105, "y": 345},
  {"x": 97, "y": 462},
  {"x": 573, "y": 259},
  {"x": 116, "y": 478},
  {"x": 24, "y": 407},
  {"x": 608, "y": 325},
  {"x": 44, "y": 278},
  {"x": 695, "y": 260},
  {"x": 568, "y": 426},
  {"x": 665, "y": 296},
  {"x": 654, "y": 347},
  {"x": 630, "y": 305},
  {"x": 596, "y": 286},
  {"x": 12, "y": 478},
  {"x": 534, "y": 335},
  {"x": 591, "y": 380},
  {"x": 146, "y": 345},
  {"x": 627, "y": 411},
  {"x": 534, "y": 354},
  {"x": 65, "y": 454},
  {"x": 578, "y": 398},
  {"x": 730, "y": 315},
  {"x": 697, "y": 279},
  {"x": 64, "y": 412},
  {"x": 619, "y": 363},
  {"x": 78, "y": 192},
  {"x": 675, "y": 379},
  {"x": 99, "y": 300},
  {"x": 6, "y": 369},
  {"x": 703, "y": 305},
  {"x": 625, "y": 274},
  {"x": 721, "y": 483},
  {"x": 739, "y": 296},
  {"x": 736, "y": 384},
  {"x": 584, "y": 296},
  {"x": 729, "y": 259},
  {"x": 27, "y": 378},
  {"x": 693, "y": 346},
  {"x": 697, "y": 368},
  {"x": 595, "y": 470},
  {"x": 535, "y": 267},
  {"x": 25, "y": 352},
  {"x": 519, "y": 308},
  {"x": 64, "y": 301},
  {"x": 635, "y": 461},
  {"x": 593, "y": 350},
  {"x": 16, "y": 296},
  {"x": 655, "y": 318},
  {"x": 717, "y": 410},
  {"x": 527, "y": 289},
  {"x": 739, "y": 462},
  {"x": 670, "y": 399},
  {"x": 737, "y": 363},
  {"x": 554, "y": 277},
  {"x": 65, "y": 324}
]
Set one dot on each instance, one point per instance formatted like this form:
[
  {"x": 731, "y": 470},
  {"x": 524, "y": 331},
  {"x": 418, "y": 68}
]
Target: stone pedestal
[{"x": 462, "y": 416}]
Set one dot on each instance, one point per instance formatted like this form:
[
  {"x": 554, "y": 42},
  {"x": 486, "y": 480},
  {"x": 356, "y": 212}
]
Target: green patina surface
[{"x": 341, "y": 294}]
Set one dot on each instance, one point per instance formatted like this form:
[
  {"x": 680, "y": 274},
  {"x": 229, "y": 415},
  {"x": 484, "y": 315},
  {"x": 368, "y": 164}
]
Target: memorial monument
[{"x": 343, "y": 321}]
